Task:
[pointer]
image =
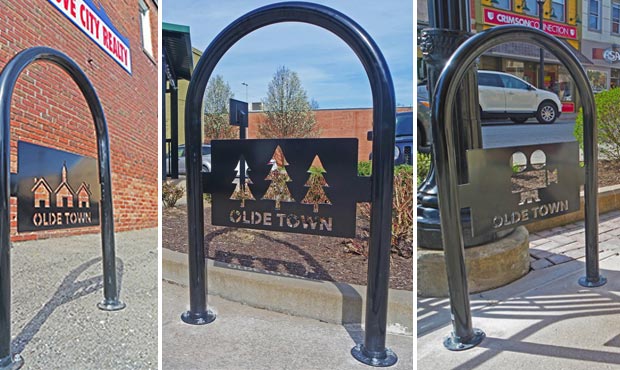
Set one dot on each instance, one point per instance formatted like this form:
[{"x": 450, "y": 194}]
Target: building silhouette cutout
[{"x": 64, "y": 194}]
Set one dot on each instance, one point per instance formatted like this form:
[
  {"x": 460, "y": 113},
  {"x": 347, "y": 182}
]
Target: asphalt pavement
[
  {"x": 56, "y": 285},
  {"x": 505, "y": 133}
]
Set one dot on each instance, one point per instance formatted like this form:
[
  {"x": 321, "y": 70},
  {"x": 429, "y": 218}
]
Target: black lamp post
[{"x": 541, "y": 71}]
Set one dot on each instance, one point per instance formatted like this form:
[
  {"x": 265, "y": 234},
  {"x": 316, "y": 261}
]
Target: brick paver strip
[
  {"x": 576, "y": 253},
  {"x": 540, "y": 264},
  {"x": 565, "y": 243},
  {"x": 539, "y": 253},
  {"x": 559, "y": 258}
]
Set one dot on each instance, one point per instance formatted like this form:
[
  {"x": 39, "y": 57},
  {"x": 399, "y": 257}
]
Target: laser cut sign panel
[
  {"x": 307, "y": 186},
  {"x": 55, "y": 189},
  {"x": 515, "y": 186}
]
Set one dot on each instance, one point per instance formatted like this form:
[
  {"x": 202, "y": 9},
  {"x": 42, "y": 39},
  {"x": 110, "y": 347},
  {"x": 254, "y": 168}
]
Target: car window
[
  {"x": 513, "y": 83},
  {"x": 404, "y": 124},
  {"x": 206, "y": 150},
  {"x": 181, "y": 152},
  {"x": 489, "y": 79}
]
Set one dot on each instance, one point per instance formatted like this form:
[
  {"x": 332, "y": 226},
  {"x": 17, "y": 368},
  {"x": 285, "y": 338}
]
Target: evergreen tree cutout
[
  {"x": 316, "y": 182},
  {"x": 278, "y": 190},
  {"x": 242, "y": 190}
]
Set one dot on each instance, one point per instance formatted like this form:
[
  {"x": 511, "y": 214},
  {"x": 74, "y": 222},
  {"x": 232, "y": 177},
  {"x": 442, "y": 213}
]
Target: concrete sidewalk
[
  {"x": 56, "y": 285},
  {"x": 243, "y": 337},
  {"x": 545, "y": 320}
]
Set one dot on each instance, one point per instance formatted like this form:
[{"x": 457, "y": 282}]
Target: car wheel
[
  {"x": 547, "y": 113},
  {"x": 205, "y": 168},
  {"x": 518, "y": 120}
]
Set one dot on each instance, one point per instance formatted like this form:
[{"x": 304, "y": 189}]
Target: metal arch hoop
[
  {"x": 8, "y": 79},
  {"x": 464, "y": 336},
  {"x": 373, "y": 351}
]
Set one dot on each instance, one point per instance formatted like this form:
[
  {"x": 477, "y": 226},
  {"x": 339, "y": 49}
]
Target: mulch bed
[
  {"x": 309, "y": 256},
  {"x": 313, "y": 257}
]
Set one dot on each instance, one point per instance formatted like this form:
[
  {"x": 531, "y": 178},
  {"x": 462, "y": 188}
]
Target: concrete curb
[
  {"x": 608, "y": 200},
  {"x": 331, "y": 302}
]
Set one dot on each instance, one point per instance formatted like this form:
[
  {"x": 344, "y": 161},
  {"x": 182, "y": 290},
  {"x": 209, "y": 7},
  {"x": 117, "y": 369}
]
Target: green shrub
[
  {"x": 424, "y": 165},
  {"x": 364, "y": 168},
  {"x": 171, "y": 194},
  {"x": 608, "y": 120}
]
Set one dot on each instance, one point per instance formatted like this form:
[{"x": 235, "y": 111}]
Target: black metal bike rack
[
  {"x": 464, "y": 336},
  {"x": 8, "y": 79},
  {"x": 373, "y": 351}
]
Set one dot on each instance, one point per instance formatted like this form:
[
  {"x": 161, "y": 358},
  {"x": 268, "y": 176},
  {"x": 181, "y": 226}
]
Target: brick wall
[
  {"x": 334, "y": 123},
  {"x": 48, "y": 109}
]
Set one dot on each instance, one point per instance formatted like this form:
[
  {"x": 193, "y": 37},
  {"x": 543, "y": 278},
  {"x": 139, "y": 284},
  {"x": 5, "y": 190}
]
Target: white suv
[{"x": 503, "y": 95}]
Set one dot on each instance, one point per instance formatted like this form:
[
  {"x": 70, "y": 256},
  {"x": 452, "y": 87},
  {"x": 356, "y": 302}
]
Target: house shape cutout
[
  {"x": 64, "y": 193},
  {"x": 83, "y": 196},
  {"x": 42, "y": 193}
]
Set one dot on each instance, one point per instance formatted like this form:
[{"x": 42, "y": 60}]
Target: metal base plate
[
  {"x": 12, "y": 362},
  {"x": 583, "y": 281},
  {"x": 106, "y": 305},
  {"x": 388, "y": 358},
  {"x": 454, "y": 343},
  {"x": 203, "y": 318}
]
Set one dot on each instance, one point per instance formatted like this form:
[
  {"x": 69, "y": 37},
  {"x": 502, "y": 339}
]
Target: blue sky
[{"x": 329, "y": 71}]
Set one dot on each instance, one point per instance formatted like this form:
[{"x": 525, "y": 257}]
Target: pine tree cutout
[
  {"x": 242, "y": 190},
  {"x": 316, "y": 182},
  {"x": 278, "y": 190}
]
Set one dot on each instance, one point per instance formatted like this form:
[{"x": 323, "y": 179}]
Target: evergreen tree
[
  {"x": 278, "y": 190},
  {"x": 242, "y": 190}
]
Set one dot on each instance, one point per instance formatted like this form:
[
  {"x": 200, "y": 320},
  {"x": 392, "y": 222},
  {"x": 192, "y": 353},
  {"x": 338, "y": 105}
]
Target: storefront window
[
  {"x": 594, "y": 15},
  {"x": 552, "y": 75},
  {"x": 490, "y": 63},
  {"x": 565, "y": 86},
  {"x": 530, "y": 7},
  {"x": 557, "y": 10},
  {"x": 502, "y": 4},
  {"x": 615, "y": 17},
  {"x": 598, "y": 80},
  {"x": 515, "y": 68},
  {"x": 615, "y": 78}
]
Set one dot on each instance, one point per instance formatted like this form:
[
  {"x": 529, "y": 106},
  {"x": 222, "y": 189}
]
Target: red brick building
[
  {"x": 334, "y": 123},
  {"x": 48, "y": 108}
]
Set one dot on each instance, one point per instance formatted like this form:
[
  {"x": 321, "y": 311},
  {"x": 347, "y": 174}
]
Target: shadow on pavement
[
  {"x": 543, "y": 309},
  {"x": 68, "y": 291}
]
